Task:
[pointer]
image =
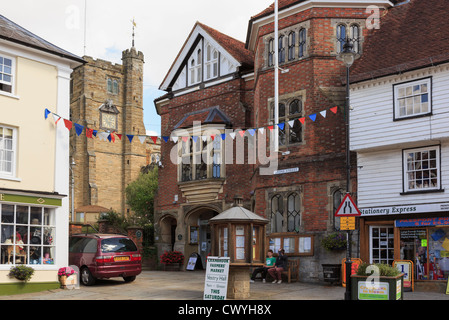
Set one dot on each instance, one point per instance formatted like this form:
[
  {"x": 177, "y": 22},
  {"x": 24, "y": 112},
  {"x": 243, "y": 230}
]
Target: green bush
[{"x": 385, "y": 270}]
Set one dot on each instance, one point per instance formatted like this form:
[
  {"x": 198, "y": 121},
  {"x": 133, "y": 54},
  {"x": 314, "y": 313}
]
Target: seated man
[{"x": 269, "y": 263}]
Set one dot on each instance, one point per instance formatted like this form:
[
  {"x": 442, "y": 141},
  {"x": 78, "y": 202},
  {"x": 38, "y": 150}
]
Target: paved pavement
[{"x": 189, "y": 285}]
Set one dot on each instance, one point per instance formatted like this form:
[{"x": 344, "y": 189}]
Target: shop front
[
  {"x": 33, "y": 232},
  {"x": 420, "y": 239}
]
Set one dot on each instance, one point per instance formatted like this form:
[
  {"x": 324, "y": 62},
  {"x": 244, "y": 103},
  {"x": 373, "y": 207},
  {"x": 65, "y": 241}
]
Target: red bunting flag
[
  {"x": 302, "y": 120},
  {"x": 270, "y": 127},
  {"x": 242, "y": 132},
  {"x": 89, "y": 132},
  {"x": 68, "y": 124},
  {"x": 119, "y": 136},
  {"x": 154, "y": 138},
  {"x": 334, "y": 109}
]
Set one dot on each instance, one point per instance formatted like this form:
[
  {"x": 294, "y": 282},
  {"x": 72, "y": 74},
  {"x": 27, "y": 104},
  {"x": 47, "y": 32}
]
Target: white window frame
[
  {"x": 382, "y": 245},
  {"x": 209, "y": 155},
  {"x": 211, "y": 64},
  {"x": 13, "y": 75},
  {"x": 9, "y": 174},
  {"x": 402, "y": 98},
  {"x": 46, "y": 223},
  {"x": 421, "y": 173}
]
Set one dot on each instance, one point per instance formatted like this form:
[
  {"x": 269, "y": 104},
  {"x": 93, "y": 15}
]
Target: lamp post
[
  {"x": 72, "y": 165},
  {"x": 348, "y": 56}
]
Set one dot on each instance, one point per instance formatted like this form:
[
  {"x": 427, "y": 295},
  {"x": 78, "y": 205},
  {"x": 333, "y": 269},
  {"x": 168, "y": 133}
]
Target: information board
[{"x": 216, "y": 281}]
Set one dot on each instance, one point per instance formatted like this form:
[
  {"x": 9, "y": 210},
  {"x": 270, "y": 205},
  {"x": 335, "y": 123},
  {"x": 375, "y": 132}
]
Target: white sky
[{"x": 162, "y": 28}]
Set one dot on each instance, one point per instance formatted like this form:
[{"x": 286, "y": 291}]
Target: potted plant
[
  {"x": 377, "y": 282},
  {"x": 21, "y": 272},
  {"x": 172, "y": 260},
  {"x": 63, "y": 273}
]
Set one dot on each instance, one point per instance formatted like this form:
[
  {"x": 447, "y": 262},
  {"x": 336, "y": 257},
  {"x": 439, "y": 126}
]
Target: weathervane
[{"x": 134, "y": 25}]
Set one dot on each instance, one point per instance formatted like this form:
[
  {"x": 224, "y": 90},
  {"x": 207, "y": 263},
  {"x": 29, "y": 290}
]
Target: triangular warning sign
[{"x": 348, "y": 208}]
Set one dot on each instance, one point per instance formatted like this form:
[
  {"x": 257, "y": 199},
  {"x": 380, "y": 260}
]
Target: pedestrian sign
[{"x": 347, "y": 208}]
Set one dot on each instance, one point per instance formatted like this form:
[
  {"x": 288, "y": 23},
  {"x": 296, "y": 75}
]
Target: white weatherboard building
[
  {"x": 399, "y": 129},
  {"x": 34, "y": 157}
]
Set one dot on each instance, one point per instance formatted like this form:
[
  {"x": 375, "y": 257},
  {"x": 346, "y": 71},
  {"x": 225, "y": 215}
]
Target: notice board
[{"x": 216, "y": 281}]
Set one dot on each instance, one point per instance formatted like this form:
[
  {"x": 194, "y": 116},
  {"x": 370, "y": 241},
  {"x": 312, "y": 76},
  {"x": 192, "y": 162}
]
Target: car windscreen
[{"x": 117, "y": 245}]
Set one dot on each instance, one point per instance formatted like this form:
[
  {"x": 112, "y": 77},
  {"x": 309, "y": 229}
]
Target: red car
[{"x": 100, "y": 256}]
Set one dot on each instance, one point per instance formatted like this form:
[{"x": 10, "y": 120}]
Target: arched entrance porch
[{"x": 199, "y": 236}]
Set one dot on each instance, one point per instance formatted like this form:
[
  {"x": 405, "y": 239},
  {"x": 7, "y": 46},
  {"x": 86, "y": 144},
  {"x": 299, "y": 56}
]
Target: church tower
[{"x": 108, "y": 98}]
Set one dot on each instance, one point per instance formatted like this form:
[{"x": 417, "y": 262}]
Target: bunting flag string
[{"x": 110, "y": 136}]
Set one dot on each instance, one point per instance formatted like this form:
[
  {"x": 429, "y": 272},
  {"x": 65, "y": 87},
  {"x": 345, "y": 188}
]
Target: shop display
[{"x": 428, "y": 248}]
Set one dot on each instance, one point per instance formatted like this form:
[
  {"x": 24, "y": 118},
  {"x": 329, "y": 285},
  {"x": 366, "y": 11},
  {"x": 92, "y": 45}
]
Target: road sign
[
  {"x": 347, "y": 223},
  {"x": 348, "y": 208}
]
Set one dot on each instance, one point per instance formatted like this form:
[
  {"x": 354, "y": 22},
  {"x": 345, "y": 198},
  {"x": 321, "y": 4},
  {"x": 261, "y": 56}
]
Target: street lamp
[
  {"x": 348, "y": 56},
  {"x": 72, "y": 165}
]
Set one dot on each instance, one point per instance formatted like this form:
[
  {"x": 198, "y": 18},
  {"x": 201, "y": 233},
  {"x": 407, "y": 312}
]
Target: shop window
[
  {"x": 382, "y": 244},
  {"x": 27, "y": 235},
  {"x": 428, "y": 249}
]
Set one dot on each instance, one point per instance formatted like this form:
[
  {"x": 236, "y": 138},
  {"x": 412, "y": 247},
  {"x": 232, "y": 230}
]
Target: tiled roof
[
  {"x": 411, "y": 36},
  {"x": 11, "y": 31},
  {"x": 211, "y": 115},
  {"x": 282, "y": 4},
  {"x": 235, "y": 47}
]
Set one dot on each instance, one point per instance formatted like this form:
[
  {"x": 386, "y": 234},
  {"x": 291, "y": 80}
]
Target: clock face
[{"x": 108, "y": 120}]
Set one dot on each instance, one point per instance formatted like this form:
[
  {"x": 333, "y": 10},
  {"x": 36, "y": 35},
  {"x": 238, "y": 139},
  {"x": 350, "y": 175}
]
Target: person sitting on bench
[{"x": 269, "y": 263}]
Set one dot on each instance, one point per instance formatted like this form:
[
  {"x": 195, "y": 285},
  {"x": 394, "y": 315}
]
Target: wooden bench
[{"x": 292, "y": 272}]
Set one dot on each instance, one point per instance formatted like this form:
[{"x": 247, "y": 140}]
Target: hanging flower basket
[{"x": 335, "y": 242}]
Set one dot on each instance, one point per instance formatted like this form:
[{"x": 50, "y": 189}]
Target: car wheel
[
  {"x": 86, "y": 277},
  {"x": 129, "y": 279}
]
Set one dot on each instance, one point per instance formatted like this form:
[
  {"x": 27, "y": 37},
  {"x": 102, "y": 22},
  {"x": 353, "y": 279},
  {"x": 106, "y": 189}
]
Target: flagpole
[{"x": 276, "y": 75}]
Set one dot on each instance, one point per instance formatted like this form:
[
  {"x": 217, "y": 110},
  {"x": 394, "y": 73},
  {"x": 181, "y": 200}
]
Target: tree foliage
[{"x": 140, "y": 196}]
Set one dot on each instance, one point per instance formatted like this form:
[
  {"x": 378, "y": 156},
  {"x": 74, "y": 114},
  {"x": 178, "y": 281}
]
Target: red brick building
[{"x": 229, "y": 86}]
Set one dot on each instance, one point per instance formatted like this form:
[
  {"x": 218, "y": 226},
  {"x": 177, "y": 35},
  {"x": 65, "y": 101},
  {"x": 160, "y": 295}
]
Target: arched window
[
  {"x": 289, "y": 114},
  {"x": 355, "y": 37},
  {"x": 337, "y": 197},
  {"x": 293, "y": 212},
  {"x": 302, "y": 42},
  {"x": 277, "y": 213},
  {"x": 115, "y": 87},
  {"x": 281, "y": 50},
  {"x": 211, "y": 62},
  {"x": 291, "y": 45},
  {"x": 109, "y": 83},
  {"x": 341, "y": 37},
  {"x": 271, "y": 52}
]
